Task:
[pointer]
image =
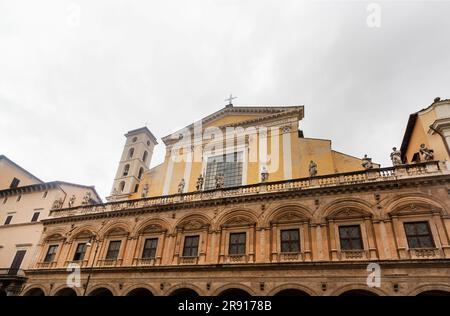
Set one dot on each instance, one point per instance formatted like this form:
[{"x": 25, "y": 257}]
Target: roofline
[
  {"x": 140, "y": 130},
  {"x": 43, "y": 187},
  {"x": 19, "y": 167},
  {"x": 236, "y": 109}
]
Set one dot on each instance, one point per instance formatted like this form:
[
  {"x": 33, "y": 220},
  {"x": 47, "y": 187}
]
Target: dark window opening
[
  {"x": 190, "y": 248},
  {"x": 237, "y": 244},
  {"x": 80, "y": 252},
  {"x": 8, "y": 219},
  {"x": 290, "y": 240},
  {"x": 51, "y": 252},
  {"x": 113, "y": 250},
  {"x": 35, "y": 216},
  {"x": 350, "y": 237},
  {"x": 14, "y": 183},
  {"x": 419, "y": 235},
  {"x": 150, "y": 246}
]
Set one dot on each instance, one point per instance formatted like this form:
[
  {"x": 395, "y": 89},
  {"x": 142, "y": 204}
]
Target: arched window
[
  {"x": 122, "y": 186},
  {"x": 130, "y": 153},
  {"x": 144, "y": 156},
  {"x": 126, "y": 169},
  {"x": 141, "y": 172}
]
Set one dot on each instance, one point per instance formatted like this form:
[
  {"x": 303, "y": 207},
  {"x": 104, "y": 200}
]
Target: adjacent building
[{"x": 25, "y": 201}]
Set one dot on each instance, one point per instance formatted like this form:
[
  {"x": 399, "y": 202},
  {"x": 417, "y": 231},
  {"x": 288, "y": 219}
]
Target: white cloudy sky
[{"x": 69, "y": 92}]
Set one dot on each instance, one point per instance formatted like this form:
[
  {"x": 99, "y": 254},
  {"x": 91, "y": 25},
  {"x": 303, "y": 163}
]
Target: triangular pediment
[{"x": 243, "y": 115}]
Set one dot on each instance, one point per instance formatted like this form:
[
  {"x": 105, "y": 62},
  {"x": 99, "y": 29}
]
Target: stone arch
[
  {"x": 230, "y": 286},
  {"x": 131, "y": 288},
  {"x": 193, "y": 221},
  {"x": 347, "y": 208},
  {"x": 357, "y": 287},
  {"x": 419, "y": 200},
  {"x": 295, "y": 211},
  {"x": 156, "y": 224},
  {"x": 83, "y": 231},
  {"x": 115, "y": 226},
  {"x": 292, "y": 286},
  {"x": 236, "y": 216},
  {"x": 430, "y": 287},
  {"x": 174, "y": 288},
  {"x": 65, "y": 291},
  {"x": 34, "y": 290},
  {"x": 55, "y": 234},
  {"x": 98, "y": 287}
]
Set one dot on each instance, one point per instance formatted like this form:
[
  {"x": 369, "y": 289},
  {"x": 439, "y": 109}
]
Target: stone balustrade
[{"x": 359, "y": 177}]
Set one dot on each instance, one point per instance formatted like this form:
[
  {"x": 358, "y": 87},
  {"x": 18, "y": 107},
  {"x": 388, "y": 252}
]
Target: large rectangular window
[
  {"x": 229, "y": 166},
  {"x": 419, "y": 235},
  {"x": 350, "y": 237},
  {"x": 14, "y": 183},
  {"x": 80, "y": 252},
  {"x": 237, "y": 244},
  {"x": 150, "y": 246},
  {"x": 290, "y": 240},
  {"x": 113, "y": 250},
  {"x": 190, "y": 248},
  {"x": 51, "y": 253}
]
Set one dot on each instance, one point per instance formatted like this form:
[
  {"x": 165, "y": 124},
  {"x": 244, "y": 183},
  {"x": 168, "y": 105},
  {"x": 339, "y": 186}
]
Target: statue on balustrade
[
  {"x": 86, "y": 199},
  {"x": 72, "y": 200},
  {"x": 200, "y": 181},
  {"x": 57, "y": 204},
  {"x": 427, "y": 154},
  {"x": 144, "y": 191},
  {"x": 220, "y": 181},
  {"x": 367, "y": 162},
  {"x": 396, "y": 156},
  {"x": 312, "y": 169},
  {"x": 181, "y": 186},
  {"x": 264, "y": 174}
]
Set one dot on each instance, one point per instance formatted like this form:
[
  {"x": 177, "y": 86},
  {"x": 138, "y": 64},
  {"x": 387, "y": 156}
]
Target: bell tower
[{"x": 136, "y": 157}]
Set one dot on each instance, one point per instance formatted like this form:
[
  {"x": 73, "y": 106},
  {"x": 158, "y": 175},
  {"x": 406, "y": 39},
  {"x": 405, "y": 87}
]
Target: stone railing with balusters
[{"x": 358, "y": 177}]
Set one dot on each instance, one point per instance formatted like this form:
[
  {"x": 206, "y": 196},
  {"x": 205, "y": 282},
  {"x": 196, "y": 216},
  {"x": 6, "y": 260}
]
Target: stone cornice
[{"x": 220, "y": 197}]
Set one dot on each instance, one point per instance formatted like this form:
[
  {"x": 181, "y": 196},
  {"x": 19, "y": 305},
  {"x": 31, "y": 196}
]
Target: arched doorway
[
  {"x": 434, "y": 293},
  {"x": 291, "y": 292},
  {"x": 234, "y": 293},
  {"x": 101, "y": 292},
  {"x": 358, "y": 293},
  {"x": 66, "y": 292},
  {"x": 140, "y": 292},
  {"x": 34, "y": 292},
  {"x": 184, "y": 292}
]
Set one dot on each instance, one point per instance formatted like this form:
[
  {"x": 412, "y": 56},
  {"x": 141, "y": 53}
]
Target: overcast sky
[{"x": 76, "y": 75}]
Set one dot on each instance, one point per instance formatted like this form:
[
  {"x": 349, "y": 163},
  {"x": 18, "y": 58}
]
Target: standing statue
[
  {"x": 219, "y": 181},
  {"x": 396, "y": 156},
  {"x": 427, "y": 154},
  {"x": 72, "y": 200},
  {"x": 367, "y": 162},
  {"x": 200, "y": 181},
  {"x": 264, "y": 174},
  {"x": 57, "y": 204},
  {"x": 312, "y": 169},
  {"x": 181, "y": 186},
  {"x": 86, "y": 199},
  {"x": 144, "y": 191}
]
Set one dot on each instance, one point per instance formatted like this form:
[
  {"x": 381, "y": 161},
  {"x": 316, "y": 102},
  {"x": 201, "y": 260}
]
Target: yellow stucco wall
[{"x": 302, "y": 151}]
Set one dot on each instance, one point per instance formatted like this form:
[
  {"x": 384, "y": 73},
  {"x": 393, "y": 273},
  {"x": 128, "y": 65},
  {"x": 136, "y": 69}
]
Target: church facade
[{"x": 244, "y": 204}]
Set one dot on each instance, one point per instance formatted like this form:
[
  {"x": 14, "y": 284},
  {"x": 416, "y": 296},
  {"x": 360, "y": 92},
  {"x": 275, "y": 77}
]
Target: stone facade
[{"x": 378, "y": 201}]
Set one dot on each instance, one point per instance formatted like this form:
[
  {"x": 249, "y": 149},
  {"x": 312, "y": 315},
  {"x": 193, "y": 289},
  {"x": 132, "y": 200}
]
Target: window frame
[
  {"x": 350, "y": 239},
  {"x": 238, "y": 244},
  {"x": 83, "y": 254},
  {"x": 185, "y": 247},
  {"x": 116, "y": 251},
  {"x": 50, "y": 256},
  {"x": 154, "y": 249},
  {"x": 417, "y": 236},
  {"x": 33, "y": 219},
  {"x": 8, "y": 220},
  {"x": 289, "y": 242}
]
